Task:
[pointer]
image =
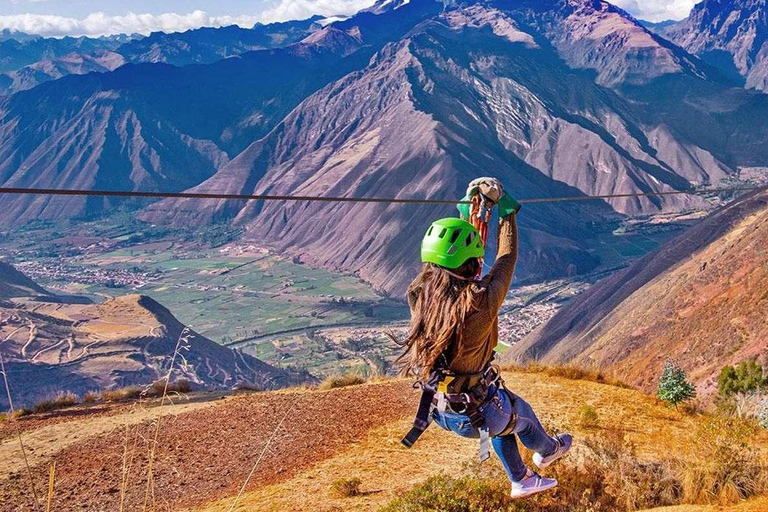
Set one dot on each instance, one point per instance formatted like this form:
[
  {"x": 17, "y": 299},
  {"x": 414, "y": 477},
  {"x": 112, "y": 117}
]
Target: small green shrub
[
  {"x": 447, "y": 494},
  {"x": 346, "y": 487},
  {"x": 349, "y": 379},
  {"x": 588, "y": 417},
  {"x": 746, "y": 377},
  {"x": 60, "y": 402},
  {"x": 674, "y": 387}
]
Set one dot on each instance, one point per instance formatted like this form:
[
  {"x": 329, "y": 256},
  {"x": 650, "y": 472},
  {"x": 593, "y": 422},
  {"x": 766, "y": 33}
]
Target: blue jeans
[{"x": 498, "y": 411}]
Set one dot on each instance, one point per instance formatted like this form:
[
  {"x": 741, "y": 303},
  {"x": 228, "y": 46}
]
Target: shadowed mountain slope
[
  {"x": 701, "y": 300},
  {"x": 159, "y": 127},
  {"x": 15, "y": 284}
]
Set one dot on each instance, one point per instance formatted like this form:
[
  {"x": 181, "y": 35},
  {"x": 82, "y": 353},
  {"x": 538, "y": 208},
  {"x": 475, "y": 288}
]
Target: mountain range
[
  {"x": 732, "y": 35},
  {"x": 27, "y": 61},
  {"x": 66, "y": 344},
  {"x": 699, "y": 300},
  {"x": 406, "y": 99}
]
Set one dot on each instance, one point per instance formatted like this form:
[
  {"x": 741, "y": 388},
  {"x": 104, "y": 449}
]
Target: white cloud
[
  {"x": 301, "y": 9},
  {"x": 657, "y": 10},
  {"x": 99, "y": 23}
]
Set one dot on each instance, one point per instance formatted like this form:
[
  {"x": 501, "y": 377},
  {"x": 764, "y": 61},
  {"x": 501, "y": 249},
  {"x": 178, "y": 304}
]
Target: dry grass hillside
[
  {"x": 701, "y": 300},
  {"x": 339, "y": 450}
]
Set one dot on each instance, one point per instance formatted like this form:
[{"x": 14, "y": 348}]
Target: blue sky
[{"x": 99, "y": 17}]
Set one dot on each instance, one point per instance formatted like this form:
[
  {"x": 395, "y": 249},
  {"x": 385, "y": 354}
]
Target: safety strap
[{"x": 423, "y": 417}]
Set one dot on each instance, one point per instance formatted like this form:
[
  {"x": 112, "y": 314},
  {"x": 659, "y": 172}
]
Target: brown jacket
[{"x": 481, "y": 328}]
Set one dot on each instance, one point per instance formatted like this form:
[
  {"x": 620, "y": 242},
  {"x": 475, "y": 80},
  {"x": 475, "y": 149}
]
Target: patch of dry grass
[
  {"x": 119, "y": 394},
  {"x": 342, "y": 381},
  {"x": 570, "y": 372},
  {"x": 62, "y": 401},
  {"x": 726, "y": 468},
  {"x": 346, "y": 487}
]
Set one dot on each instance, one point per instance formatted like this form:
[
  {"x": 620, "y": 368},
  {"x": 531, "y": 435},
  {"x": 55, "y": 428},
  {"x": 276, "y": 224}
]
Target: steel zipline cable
[{"x": 268, "y": 197}]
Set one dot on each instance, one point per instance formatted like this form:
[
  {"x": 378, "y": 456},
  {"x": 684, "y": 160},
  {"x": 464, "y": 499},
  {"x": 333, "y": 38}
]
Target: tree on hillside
[
  {"x": 746, "y": 377},
  {"x": 674, "y": 387}
]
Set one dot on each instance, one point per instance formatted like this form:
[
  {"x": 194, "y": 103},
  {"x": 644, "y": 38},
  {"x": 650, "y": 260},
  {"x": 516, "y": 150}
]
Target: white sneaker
[
  {"x": 531, "y": 484},
  {"x": 564, "y": 442}
]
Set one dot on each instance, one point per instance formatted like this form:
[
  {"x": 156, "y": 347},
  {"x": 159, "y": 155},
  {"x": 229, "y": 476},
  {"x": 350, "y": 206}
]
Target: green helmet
[{"x": 450, "y": 243}]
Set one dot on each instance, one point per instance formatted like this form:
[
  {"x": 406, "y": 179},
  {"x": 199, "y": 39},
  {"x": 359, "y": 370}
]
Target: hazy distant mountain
[
  {"x": 26, "y": 50},
  {"x": 701, "y": 299},
  {"x": 206, "y": 45},
  {"x": 159, "y": 127},
  {"x": 730, "y": 34},
  {"x": 27, "y": 61},
  {"x": 60, "y": 346}
]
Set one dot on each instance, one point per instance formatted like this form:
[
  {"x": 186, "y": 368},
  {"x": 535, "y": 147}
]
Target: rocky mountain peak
[{"x": 729, "y": 34}]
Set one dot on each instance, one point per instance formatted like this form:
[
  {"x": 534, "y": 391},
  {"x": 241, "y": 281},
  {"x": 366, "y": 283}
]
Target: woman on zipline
[{"x": 452, "y": 335}]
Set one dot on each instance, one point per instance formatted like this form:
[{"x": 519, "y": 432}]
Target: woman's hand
[
  {"x": 490, "y": 188},
  {"x": 493, "y": 191}
]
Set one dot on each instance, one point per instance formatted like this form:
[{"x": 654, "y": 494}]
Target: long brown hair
[{"x": 440, "y": 302}]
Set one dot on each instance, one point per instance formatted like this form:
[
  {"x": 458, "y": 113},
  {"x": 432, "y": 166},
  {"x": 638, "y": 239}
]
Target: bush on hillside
[
  {"x": 346, "y": 487},
  {"x": 674, "y": 387},
  {"x": 588, "y": 417},
  {"x": 746, "y": 377},
  {"x": 116, "y": 395},
  {"x": 179, "y": 386},
  {"x": 349, "y": 379},
  {"x": 91, "y": 397},
  {"x": 62, "y": 401}
]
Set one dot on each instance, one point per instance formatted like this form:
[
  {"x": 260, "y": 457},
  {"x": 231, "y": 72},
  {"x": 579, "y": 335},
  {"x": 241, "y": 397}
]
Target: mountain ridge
[{"x": 697, "y": 300}]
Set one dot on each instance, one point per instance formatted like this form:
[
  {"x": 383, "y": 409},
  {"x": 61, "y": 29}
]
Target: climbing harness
[{"x": 446, "y": 391}]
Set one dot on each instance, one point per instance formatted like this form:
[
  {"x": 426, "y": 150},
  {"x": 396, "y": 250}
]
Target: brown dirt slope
[
  {"x": 204, "y": 455},
  {"x": 701, "y": 299}
]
